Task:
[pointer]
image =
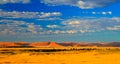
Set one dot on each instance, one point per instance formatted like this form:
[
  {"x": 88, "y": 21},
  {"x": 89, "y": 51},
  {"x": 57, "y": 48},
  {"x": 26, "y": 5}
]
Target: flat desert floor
[{"x": 62, "y": 57}]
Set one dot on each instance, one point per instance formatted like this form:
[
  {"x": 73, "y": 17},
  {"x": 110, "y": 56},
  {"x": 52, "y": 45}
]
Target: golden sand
[{"x": 72, "y": 57}]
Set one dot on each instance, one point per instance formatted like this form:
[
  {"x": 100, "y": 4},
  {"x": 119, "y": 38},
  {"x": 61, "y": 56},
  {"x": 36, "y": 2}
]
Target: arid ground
[{"x": 98, "y": 56}]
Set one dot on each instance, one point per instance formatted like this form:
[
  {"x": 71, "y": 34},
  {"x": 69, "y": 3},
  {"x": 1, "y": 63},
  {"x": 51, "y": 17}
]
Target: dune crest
[{"x": 45, "y": 44}]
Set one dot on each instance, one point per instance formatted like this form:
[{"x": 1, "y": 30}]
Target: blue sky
[{"x": 60, "y": 20}]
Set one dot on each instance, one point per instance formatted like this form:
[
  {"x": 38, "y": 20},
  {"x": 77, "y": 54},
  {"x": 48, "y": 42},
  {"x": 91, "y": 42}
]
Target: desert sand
[{"x": 63, "y": 57}]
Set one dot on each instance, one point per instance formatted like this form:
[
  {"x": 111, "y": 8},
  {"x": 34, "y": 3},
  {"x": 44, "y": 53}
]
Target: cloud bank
[
  {"x": 14, "y": 27},
  {"x": 95, "y": 24},
  {"x": 14, "y": 1},
  {"x": 83, "y": 4},
  {"x": 70, "y": 26},
  {"x": 31, "y": 15}
]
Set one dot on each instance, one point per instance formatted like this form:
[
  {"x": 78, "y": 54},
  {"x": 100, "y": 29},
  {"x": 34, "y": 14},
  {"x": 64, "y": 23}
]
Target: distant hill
[
  {"x": 14, "y": 44},
  {"x": 54, "y": 44},
  {"x": 69, "y": 44},
  {"x": 22, "y": 43},
  {"x": 114, "y": 44},
  {"x": 7, "y": 44},
  {"x": 85, "y": 44}
]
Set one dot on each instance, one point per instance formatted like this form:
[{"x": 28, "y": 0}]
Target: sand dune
[
  {"x": 45, "y": 44},
  {"x": 7, "y": 44},
  {"x": 55, "y": 44},
  {"x": 22, "y": 43}
]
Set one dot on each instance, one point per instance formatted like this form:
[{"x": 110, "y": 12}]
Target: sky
[{"x": 60, "y": 20}]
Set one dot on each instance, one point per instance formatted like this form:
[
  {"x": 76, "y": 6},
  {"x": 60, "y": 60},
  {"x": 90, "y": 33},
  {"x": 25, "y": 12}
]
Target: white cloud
[
  {"x": 83, "y": 31},
  {"x": 109, "y": 12},
  {"x": 91, "y": 25},
  {"x": 70, "y": 26},
  {"x": 74, "y": 23},
  {"x": 71, "y": 31},
  {"x": 113, "y": 28},
  {"x": 31, "y": 28},
  {"x": 18, "y": 27},
  {"x": 54, "y": 18},
  {"x": 44, "y": 15},
  {"x": 14, "y": 1},
  {"x": 83, "y": 4},
  {"x": 52, "y": 26},
  {"x": 31, "y": 15},
  {"x": 93, "y": 12},
  {"x": 57, "y": 32},
  {"x": 116, "y": 19},
  {"x": 64, "y": 32},
  {"x": 103, "y": 13}
]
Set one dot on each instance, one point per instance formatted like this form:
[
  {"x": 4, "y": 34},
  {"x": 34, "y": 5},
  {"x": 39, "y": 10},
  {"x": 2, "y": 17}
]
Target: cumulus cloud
[
  {"x": 18, "y": 27},
  {"x": 103, "y": 13},
  {"x": 109, "y": 12},
  {"x": 83, "y": 25},
  {"x": 92, "y": 25},
  {"x": 70, "y": 26},
  {"x": 93, "y": 12},
  {"x": 52, "y": 26},
  {"x": 43, "y": 15},
  {"x": 24, "y": 28},
  {"x": 31, "y": 15},
  {"x": 14, "y": 1},
  {"x": 116, "y": 19},
  {"x": 113, "y": 28},
  {"x": 83, "y": 4},
  {"x": 74, "y": 23},
  {"x": 64, "y": 32}
]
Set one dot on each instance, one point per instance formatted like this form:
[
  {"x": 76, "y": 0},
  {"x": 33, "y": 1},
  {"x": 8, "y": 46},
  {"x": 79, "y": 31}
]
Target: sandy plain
[{"x": 103, "y": 56}]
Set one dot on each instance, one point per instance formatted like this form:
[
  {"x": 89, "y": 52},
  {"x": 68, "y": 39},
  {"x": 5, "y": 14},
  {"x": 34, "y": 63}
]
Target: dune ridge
[{"x": 55, "y": 44}]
